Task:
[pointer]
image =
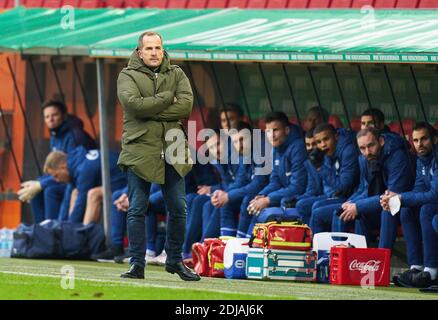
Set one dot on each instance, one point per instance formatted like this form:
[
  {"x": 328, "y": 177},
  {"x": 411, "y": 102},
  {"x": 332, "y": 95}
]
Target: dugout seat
[
  {"x": 335, "y": 121},
  {"x": 355, "y": 124}
]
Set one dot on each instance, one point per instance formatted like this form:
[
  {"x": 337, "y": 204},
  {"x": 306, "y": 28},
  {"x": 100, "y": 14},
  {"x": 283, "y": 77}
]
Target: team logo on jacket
[
  {"x": 92, "y": 155},
  {"x": 371, "y": 265},
  {"x": 288, "y": 173},
  {"x": 277, "y": 162}
]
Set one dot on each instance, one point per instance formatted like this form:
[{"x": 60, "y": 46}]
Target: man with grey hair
[{"x": 155, "y": 97}]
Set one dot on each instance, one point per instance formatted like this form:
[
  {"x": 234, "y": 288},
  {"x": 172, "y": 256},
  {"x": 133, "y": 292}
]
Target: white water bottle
[
  {"x": 9, "y": 241},
  {"x": 2, "y": 243}
]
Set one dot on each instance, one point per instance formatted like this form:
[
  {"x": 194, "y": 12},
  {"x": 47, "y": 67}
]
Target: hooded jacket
[
  {"x": 251, "y": 182},
  {"x": 69, "y": 135},
  {"x": 288, "y": 177},
  {"x": 340, "y": 171},
  {"x": 397, "y": 173},
  {"x": 149, "y": 113},
  {"x": 426, "y": 183},
  {"x": 84, "y": 167}
]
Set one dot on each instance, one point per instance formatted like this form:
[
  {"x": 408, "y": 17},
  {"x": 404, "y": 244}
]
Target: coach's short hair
[
  {"x": 149, "y": 34},
  {"x": 54, "y": 160},
  {"x": 375, "y": 132},
  {"x": 324, "y": 127},
  {"x": 277, "y": 116}
]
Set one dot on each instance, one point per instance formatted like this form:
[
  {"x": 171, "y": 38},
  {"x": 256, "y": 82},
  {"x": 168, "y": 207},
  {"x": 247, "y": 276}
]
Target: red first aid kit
[
  {"x": 208, "y": 257},
  {"x": 360, "y": 266},
  {"x": 283, "y": 236}
]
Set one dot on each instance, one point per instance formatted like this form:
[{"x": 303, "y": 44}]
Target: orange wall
[{"x": 10, "y": 211}]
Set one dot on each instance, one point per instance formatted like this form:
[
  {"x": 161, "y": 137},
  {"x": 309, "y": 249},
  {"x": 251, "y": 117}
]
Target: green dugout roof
[{"x": 230, "y": 34}]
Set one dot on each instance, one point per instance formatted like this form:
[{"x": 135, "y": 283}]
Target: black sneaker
[
  {"x": 420, "y": 279},
  {"x": 108, "y": 255},
  {"x": 404, "y": 277}
]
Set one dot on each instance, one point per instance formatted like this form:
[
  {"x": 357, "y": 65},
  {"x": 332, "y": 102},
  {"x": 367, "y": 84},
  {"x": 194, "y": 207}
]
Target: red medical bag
[
  {"x": 283, "y": 236},
  {"x": 208, "y": 257},
  {"x": 360, "y": 266}
]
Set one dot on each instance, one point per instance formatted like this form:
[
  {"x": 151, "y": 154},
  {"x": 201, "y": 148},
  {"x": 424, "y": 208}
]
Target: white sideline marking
[{"x": 135, "y": 284}]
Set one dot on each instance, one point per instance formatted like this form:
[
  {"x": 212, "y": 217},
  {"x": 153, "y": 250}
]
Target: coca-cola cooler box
[{"x": 358, "y": 266}]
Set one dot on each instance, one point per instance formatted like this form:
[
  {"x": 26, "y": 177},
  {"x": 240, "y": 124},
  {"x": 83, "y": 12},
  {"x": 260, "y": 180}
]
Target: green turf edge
[{"x": 26, "y": 287}]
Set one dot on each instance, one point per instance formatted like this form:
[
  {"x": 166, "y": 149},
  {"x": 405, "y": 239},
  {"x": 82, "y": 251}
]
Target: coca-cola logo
[{"x": 371, "y": 265}]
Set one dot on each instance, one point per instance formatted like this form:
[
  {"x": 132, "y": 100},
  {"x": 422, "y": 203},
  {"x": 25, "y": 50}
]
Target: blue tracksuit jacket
[
  {"x": 288, "y": 177},
  {"x": 340, "y": 171},
  {"x": 396, "y": 173}
]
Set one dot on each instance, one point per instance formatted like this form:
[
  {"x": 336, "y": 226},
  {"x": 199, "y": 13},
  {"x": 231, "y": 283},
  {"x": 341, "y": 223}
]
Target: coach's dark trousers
[{"x": 175, "y": 201}]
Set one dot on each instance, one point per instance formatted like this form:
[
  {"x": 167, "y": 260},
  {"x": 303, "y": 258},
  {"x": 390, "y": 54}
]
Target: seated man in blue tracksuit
[
  {"x": 119, "y": 208},
  {"x": 81, "y": 168},
  {"x": 419, "y": 207},
  {"x": 228, "y": 163},
  {"x": 224, "y": 174},
  {"x": 374, "y": 118},
  {"x": 295, "y": 207},
  {"x": 199, "y": 182},
  {"x": 66, "y": 133},
  {"x": 384, "y": 164},
  {"x": 339, "y": 174},
  {"x": 252, "y": 178},
  {"x": 288, "y": 177}
]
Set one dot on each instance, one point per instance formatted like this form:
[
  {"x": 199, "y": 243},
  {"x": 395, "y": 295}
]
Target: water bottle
[
  {"x": 10, "y": 240},
  {"x": 2, "y": 243}
]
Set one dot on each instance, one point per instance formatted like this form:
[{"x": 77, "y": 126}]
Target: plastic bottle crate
[{"x": 358, "y": 266}]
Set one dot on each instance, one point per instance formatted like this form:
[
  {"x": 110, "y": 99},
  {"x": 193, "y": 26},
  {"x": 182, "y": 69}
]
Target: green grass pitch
[{"x": 42, "y": 279}]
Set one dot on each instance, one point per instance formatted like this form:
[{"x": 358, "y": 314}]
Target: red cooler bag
[
  {"x": 283, "y": 236},
  {"x": 360, "y": 266}
]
